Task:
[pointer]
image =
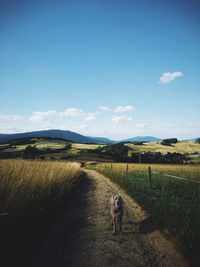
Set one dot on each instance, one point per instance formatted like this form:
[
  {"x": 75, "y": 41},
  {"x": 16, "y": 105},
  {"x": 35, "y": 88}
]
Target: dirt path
[{"x": 82, "y": 235}]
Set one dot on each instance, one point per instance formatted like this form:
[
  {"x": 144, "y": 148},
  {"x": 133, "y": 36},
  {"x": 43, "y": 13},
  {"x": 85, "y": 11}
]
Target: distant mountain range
[
  {"x": 102, "y": 139},
  {"x": 142, "y": 139},
  {"x": 74, "y": 137}
]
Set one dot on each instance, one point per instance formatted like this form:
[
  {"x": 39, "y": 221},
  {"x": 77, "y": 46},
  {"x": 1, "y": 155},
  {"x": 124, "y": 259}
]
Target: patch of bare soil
[{"x": 82, "y": 233}]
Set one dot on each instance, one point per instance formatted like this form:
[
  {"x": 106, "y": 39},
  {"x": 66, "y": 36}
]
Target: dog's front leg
[
  {"x": 114, "y": 226},
  {"x": 120, "y": 223}
]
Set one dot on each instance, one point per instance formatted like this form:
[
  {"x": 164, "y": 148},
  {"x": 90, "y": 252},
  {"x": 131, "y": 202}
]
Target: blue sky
[{"x": 104, "y": 68}]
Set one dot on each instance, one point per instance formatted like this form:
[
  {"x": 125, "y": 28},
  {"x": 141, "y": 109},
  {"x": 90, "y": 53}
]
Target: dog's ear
[{"x": 112, "y": 200}]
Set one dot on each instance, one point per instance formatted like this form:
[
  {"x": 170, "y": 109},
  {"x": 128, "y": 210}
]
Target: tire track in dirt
[{"x": 83, "y": 234}]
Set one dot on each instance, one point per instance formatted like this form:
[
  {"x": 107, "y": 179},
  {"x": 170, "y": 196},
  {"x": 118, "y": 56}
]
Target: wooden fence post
[
  {"x": 126, "y": 169},
  {"x": 111, "y": 166},
  {"x": 140, "y": 158},
  {"x": 149, "y": 176}
]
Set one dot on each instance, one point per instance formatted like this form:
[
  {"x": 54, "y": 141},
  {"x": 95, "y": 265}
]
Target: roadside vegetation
[
  {"x": 173, "y": 204},
  {"x": 29, "y": 192}
]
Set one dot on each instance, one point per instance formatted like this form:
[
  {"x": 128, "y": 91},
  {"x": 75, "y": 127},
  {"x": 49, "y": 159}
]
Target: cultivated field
[
  {"x": 179, "y": 147},
  {"x": 40, "y": 144},
  {"x": 173, "y": 204}
]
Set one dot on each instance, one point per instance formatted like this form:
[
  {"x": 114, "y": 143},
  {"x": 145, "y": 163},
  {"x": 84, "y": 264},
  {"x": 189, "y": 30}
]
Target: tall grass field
[
  {"x": 29, "y": 191},
  {"x": 173, "y": 204}
]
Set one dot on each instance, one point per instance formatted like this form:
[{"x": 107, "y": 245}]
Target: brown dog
[{"x": 116, "y": 209}]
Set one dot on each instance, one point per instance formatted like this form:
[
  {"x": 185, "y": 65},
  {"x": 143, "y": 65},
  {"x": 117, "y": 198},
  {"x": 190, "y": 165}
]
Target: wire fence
[
  {"x": 150, "y": 172},
  {"x": 179, "y": 178}
]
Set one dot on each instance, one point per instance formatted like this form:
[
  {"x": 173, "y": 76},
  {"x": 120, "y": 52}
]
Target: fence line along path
[
  {"x": 177, "y": 177},
  {"x": 164, "y": 174}
]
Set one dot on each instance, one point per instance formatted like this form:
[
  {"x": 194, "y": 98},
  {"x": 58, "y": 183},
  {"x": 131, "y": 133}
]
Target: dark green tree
[
  {"x": 168, "y": 142},
  {"x": 30, "y": 152},
  {"x": 198, "y": 140}
]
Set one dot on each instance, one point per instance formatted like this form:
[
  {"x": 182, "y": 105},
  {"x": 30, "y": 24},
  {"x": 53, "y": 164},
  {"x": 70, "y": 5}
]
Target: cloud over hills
[{"x": 39, "y": 116}]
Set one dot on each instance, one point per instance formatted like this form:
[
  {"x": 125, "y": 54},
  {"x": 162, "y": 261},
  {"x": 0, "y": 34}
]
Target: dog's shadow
[
  {"x": 144, "y": 227},
  {"x": 147, "y": 226}
]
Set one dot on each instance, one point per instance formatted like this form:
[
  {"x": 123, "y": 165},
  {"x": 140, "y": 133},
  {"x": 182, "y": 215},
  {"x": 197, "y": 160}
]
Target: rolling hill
[
  {"x": 74, "y": 137},
  {"x": 67, "y": 135}
]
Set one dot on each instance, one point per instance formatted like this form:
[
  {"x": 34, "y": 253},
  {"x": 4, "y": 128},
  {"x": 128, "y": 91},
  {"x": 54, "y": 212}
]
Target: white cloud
[
  {"x": 170, "y": 76},
  {"x": 74, "y": 112},
  {"x": 121, "y": 118},
  {"x": 124, "y": 108},
  {"x": 141, "y": 125},
  {"x": 105, "y": 108},
  {"x": 39, "y": 116},
  {"x": 9, "y": 129},
  {"x": 9, "y": 117},
  {"x": 90, "y": 117}
]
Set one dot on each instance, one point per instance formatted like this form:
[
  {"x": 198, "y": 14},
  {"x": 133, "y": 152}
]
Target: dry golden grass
[
  {"x": 34, "y": 182},
  {"x": 30, "y": 194}
]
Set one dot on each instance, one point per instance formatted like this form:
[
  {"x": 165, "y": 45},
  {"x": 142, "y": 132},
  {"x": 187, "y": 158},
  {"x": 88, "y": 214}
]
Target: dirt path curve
[{"x": 83, "y": 234}]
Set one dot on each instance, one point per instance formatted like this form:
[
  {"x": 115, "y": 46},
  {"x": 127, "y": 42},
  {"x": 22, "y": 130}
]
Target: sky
[{"x": 114, "y": 69}]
